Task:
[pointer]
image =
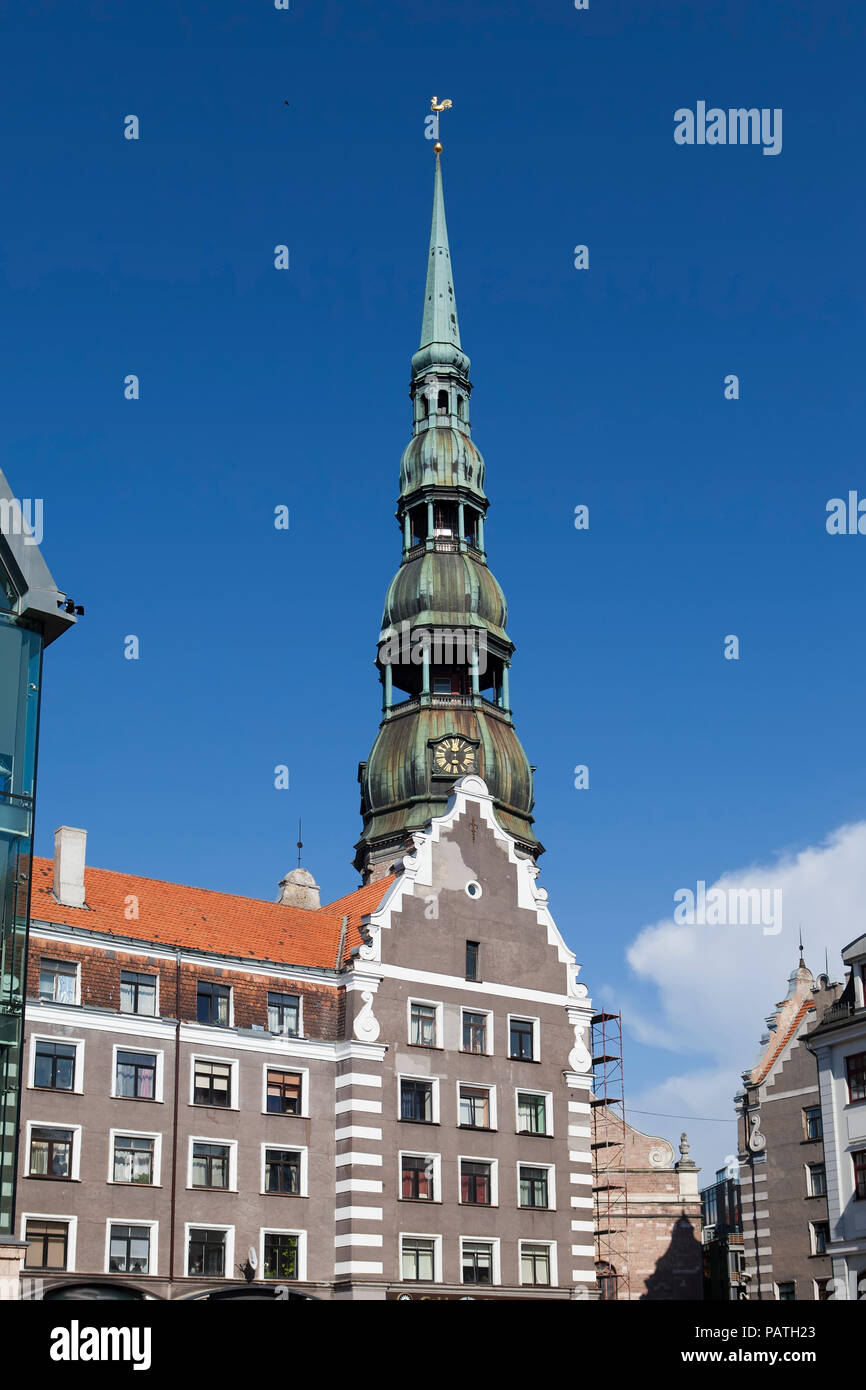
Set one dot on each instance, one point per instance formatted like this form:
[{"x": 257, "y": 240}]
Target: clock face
[{"x": 454, "y": 755}]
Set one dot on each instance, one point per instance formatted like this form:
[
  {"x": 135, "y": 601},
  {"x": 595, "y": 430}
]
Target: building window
[
  {"x": 416, "y": 1101},
  {"x": 49, "y": 1244},
  {"x": 442, "y": 401},
  {"x": 210, "y": 1165},
  {"x": 534, "y": 1264},
  {"x": 283, "y": 1171},
  {"x": 416, "y": 1177},
  {"x": 474, "y": 1107},
  {"x": 418, "y": 1258},
  {"x": 284, "y": 1093},
  {"x": 58, "y": 981},
  {"x": 137, "y": 993},
  {"x": 856, "y": 1068},
  {"x": 521, "y": 1040},
  {"x": 135, "y": 1076},
  {"x": 51, "y": 1153},
  {"x": 812, "y": 1126},
  {"x": 822, "y": 1290},
  {"x": 817, "y": 1183},
  {"x": 207, "y": 1252},
  {"x": 474, "y": 1032},
  {"x": 212, "y": 1004},
  {"x": 284, "y": 1014},
  {"x": 472, "y": 960},
  {"x": 859, "y": 1158},
  {"x": 133, "y": 1159},
  {"x": 477, "y": 1262},
  {"x": 786, "y": 1293},
  {"x": 281, "y": 1255},
  {"x": 212, "y": 1083},
  {"x": 820, "y": 1237},
  {"x": 606, "y": 1279},
  {"x": 129, "y": 1250},
  {"x": 422, "y": 1024},
  {"x": 533, "y": 1183},
  {"x": 54, "y": 1068},
  {"x": 531, "y": 1113},
  {"x": 475, "y": 1182}
]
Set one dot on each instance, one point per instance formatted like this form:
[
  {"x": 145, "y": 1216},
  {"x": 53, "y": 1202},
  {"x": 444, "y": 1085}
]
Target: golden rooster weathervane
[
  {"x": 437, "y": 105},
  {"x": 433, "y": 121}
]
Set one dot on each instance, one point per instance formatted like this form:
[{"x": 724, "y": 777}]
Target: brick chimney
[{"x": 69, "y": 847}]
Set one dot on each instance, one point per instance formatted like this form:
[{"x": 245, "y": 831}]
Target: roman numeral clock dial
[{"x": 454, "y": 756}]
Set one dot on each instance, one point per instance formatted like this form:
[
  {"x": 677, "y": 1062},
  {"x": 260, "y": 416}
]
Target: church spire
[{"x": 439, "y": 324}]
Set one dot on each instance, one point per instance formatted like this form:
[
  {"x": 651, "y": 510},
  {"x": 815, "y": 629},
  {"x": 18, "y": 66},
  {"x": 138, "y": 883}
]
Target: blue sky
[{"x": 602, "y": 387}]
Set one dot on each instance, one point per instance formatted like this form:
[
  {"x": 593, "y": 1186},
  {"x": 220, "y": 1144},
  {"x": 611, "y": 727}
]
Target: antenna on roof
[
  {"x": 802, "y": 961},
  {"x": 300, "y": 842}
]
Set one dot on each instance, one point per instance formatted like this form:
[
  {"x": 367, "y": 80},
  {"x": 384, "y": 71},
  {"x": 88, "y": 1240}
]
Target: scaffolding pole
[{"x": 609, "y": 1176}]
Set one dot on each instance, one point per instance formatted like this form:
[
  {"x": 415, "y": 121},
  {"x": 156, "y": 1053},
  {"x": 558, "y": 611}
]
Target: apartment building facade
[{"x": 384, "y": 1098}]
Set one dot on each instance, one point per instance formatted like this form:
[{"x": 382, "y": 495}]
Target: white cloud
[{"x": 715, "y": 985}]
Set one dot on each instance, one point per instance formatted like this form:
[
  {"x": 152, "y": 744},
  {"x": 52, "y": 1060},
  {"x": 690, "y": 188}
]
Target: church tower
[{"x": 443, "y": 654}]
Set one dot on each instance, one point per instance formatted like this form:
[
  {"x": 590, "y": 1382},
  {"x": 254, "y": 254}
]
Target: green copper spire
[
  {"x": 439, "y": 324},
  {"x": 444, "y": 653}
]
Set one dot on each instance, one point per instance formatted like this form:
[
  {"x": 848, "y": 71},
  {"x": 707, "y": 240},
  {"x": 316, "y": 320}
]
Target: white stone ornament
[
  {"x": 578, "y": 1058},
  {"x": 366, "y": 1025},
  {"x": 662, "y": 1156},
  {"x": 757, "y": 1141}
]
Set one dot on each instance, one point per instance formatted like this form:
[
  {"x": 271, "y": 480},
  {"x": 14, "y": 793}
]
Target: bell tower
[{"x": 443, "y": 654}]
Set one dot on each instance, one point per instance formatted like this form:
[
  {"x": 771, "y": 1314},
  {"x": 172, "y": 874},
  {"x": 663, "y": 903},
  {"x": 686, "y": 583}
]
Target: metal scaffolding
[{"x": 609, "y": 1175}]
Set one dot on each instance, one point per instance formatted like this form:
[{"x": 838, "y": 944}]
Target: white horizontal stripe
[
  {"x": 358, "y": 1213},
  {"x": 359, "y": 1160},
  {"x": 358, "y": 1267},
  {"x": 581, "y": 1178},
  {"x": 358, "y": 1078},
  {"x": 583, "y": 1225},
  {"x": 580, "y": 1131},
  {"x": 358, "y": 1185},
  {"x": 580, "y": 1107},
  {"x": 357, "y": 1132},
  {"x": 579, "y": 1155},
  {"x": 581, "y": 1201},
  {"x": 369, "y": 1107},
  {"x": 357, "y": 1239},
  {"x": 457, "y": 982},
  {"x": 583, "y": 1250}
]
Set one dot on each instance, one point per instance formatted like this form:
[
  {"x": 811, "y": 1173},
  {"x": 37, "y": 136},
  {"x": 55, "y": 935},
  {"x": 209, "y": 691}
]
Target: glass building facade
[{"x": 32, "y": 614}]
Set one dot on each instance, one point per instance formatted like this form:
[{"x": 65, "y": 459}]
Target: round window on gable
[{"x": 473, "y": 889}]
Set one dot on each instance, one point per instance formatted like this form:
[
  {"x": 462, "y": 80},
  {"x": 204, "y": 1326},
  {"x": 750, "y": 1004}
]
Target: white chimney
[{"x": 69, "y": 847}]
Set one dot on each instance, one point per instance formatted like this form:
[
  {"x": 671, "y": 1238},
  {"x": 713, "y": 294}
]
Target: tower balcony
[
  {"x": 450, "y": 701},
  {"x": 444, "y": 546}
]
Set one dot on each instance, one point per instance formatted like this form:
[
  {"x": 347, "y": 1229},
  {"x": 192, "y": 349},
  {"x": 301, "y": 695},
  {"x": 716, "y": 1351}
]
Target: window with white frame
[
  {"x": 820, "y": 1231},
  {"x": 53, "y": 1151},
  {"x": 284, "y": 1014},
  {"x": 537, "y": 1263},
  {"x": 213, "y": 1004},
  {"x": 51, "y": 1242},
  {"x": 134, "y": 1158},
  {"x": 214, "y": 1082},
  {"x": 816, "y": 1180},
  {"x": 479, "y": 1261},
  {"x": 138, "y": 993},
  {"x": 419, "y": 1177},
  {"x": 419, "y": 1099},
  {"x": 137, "y": 1075},
  {"x": 58, "y": 981},
  {"x": 56, "y": 1064},
  {"x": 284, "y": 1170},
  {"x": 535, "y": 1185},
  {"x": 210, "y": 1250},
  {"x": 286, "y": 1091},
  {"x": 475, "y": 1031},
  {"x": 131, "y": 1247},
  {"x": 420, "y": 1258},
  {"x": 284, "y": 1254},
  {"x": 534, "y": 1114},
  {"x": 476, "y": 1106},
  {"x": 212, "y": 1165},
  {"x": 424, "y": 1025},
  {"x": 477, "y": 1181},
  {"x": 523, "y": 1043}
]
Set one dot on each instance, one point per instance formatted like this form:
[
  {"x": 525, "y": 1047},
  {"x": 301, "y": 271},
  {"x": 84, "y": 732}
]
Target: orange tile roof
[
  {"x": 764, "y": 1067},
  {"x": 200, "y": 919}
]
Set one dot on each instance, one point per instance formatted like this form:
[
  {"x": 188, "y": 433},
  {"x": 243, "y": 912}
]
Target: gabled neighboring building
[
  {"x": 781, "y": 1151},
  {"x": 839, "y": 1046},
  {"x": 722, "y": 1217}
]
